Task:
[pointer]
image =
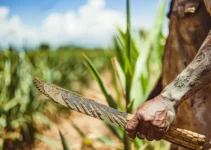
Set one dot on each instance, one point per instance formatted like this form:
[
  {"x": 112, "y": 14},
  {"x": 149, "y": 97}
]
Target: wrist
[
  {"x": 171, "y": 101},
  {"x": 171, "y": 107}
]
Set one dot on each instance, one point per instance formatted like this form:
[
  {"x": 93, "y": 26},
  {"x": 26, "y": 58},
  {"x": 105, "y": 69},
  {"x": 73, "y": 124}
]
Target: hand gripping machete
[{"x": 73, "y": 101}]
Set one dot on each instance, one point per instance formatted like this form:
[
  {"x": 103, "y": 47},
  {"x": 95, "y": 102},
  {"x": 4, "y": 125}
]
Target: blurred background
[{"x": 107, "y": 50}]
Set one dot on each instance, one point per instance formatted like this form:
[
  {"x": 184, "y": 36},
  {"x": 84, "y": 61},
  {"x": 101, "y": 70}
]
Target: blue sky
[{"x": 37, "y": 21}]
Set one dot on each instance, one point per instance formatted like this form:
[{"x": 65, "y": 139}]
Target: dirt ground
[{"x": 91, "y": 127}]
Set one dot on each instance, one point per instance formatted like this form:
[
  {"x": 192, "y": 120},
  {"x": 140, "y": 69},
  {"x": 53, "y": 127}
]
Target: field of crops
[
  {"x": 131, "y": 66},
  {"x": 19, "y": 109}
]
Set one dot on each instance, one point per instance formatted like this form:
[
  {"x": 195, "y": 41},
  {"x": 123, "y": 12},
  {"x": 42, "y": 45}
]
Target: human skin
[
  {"x": 155, "y": 116},
  {"x": 187, "y": 32}
]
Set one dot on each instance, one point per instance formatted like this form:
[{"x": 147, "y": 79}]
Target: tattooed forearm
[{"x": 194, "y": 77}]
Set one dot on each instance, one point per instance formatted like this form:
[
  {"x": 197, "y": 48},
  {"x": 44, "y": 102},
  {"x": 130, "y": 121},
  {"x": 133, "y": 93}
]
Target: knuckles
[
  {"x": 130, "y": 128},
  {"x": 151, "y": 120},
  {"x": 147, "y": 126}
]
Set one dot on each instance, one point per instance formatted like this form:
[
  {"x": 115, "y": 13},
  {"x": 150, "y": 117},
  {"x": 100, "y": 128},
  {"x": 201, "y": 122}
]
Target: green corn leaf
[
  {"x": 81, "y": 133},
  {"x": 116, "y": 130},
  {"x": 121, "y": 42},
  {"x": 116, "y": 83},
  {"x": 47, "y": 140},
  {"x": 119, "y": 52},
  {"x": 106, "y": 140},
  {"x": 121, "y": 75},
  {"x": 126, "y": 142},
  {"x": 41, "y": 118},
  {"x": 159, "y": 19},
  {"x": 138, "y": 143},
  {"x": 12, "y": 103},
  {"x": 142, "y": 60},
  {"x": 130, "y": 106},
  {"x": 144, "y": 83},
  {"x": 134, "y": 53},
  {"x": 16, "y": 123},
  {"x": 139, "y": 68},
  {"x": 119, "y": 72},
  {"x": 64, "y": 142},
  {"x": 3, "y": 121},
  {"x": 122, "y": 38},
  {"x": 128, "y": 88},
  {"x": 97, "y": 77}
]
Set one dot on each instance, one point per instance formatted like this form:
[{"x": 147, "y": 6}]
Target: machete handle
[{"x": 182, "y": 137}]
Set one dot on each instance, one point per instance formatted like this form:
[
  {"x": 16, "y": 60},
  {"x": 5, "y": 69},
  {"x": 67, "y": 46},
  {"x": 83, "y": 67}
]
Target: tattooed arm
[{"x": 154, "y": 117}]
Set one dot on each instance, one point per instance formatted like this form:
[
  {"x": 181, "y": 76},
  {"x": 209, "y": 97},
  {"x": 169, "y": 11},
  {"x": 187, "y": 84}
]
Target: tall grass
[{"x": 136, "y": 68}]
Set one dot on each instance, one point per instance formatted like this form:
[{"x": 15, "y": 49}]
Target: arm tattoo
[{"x": 194, "y": 77}]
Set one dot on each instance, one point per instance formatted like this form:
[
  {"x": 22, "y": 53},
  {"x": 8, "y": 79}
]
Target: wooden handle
[{"x": 182, "y": 137}]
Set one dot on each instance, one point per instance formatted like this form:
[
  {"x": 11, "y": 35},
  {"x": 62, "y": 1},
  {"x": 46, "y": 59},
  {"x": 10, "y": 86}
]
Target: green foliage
[
  {"x": 22, "y": 116},
  {"x": 145, "y": 68},
  {"x": 149, "y": 61},
  {"x": 135, "y": 70},
  {"x": 96, "y": 75},
  {"x": 106, "y": 140},
  {"x": 66, "y": 66},
  {"x": 44, "y": 46},
  {"x": 137, "y": 67},
  {"x": 64, "y": 142}
]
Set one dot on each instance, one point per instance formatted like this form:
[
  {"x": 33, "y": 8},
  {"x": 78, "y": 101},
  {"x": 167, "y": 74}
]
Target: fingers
[
  {"x": 145, "y": 129},
  {"x": 142, "y": 131},
  {"x": 159, "y": 128},
  {"x": 151, "y": 132},
  {"x": 146, "y": 126},
  {"x": 159, "y": 135},
  {"x": 131, "y": 127},
  {"x": 152, "y": 120}
]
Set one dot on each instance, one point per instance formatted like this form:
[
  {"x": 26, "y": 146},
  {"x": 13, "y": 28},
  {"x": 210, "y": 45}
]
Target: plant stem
[
  {"x": 126, "y": 142},
  {"x": 128, "y": 31},
  {"x": 128, "y": 88},
  {"x": 128, "y": 46}
]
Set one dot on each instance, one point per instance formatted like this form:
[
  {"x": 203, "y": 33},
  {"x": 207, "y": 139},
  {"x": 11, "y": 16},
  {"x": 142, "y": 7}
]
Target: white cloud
[
  {"x": 91, "y": 25},
  {"x": 3, "y": 12}
]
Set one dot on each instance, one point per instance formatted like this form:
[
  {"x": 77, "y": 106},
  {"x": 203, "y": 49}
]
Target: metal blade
[{"x": 81, "y": 104}]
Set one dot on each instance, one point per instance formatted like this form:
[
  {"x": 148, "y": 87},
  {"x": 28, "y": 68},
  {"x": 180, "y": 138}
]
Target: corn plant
[
  {"x": 136, "y": 68},
  {"x": 21, "y": 115}
]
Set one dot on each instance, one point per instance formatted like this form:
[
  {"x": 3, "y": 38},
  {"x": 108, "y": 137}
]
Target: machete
[{"x": 73, "y": 101}]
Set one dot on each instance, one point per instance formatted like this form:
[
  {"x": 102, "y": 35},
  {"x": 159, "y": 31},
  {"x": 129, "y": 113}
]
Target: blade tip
[{"x": 39, "y": 84}]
